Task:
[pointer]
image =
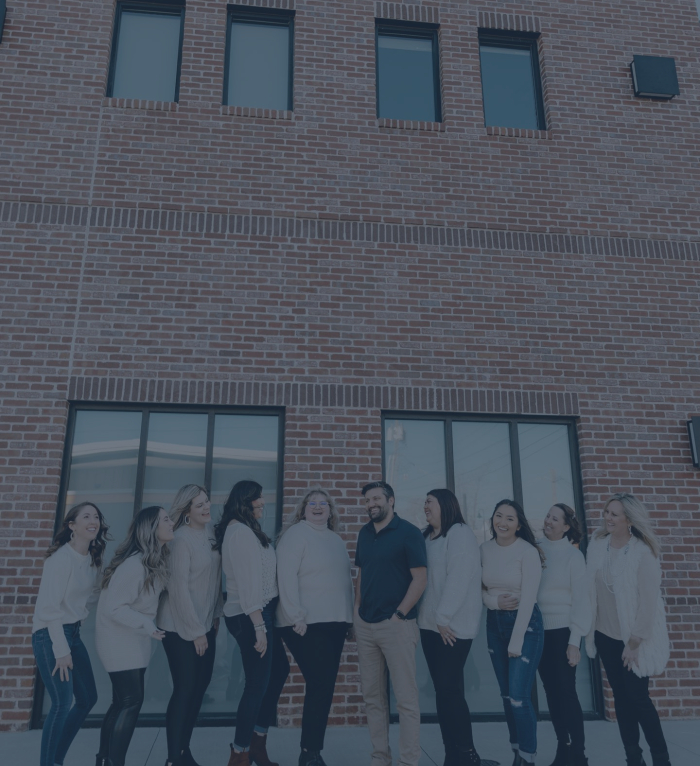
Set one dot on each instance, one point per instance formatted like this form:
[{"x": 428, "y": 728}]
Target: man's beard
[{"x": 383, "y": 513}]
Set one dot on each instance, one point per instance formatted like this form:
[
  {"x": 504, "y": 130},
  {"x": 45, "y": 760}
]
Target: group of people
[{"x": 542, "y": 599}]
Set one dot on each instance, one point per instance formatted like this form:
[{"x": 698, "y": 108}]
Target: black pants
[
  {"x": 120, "y": 720},
  {"x": 446, "y": 666},
  {"x": 191, "y": 676},
  {"x": 317, "y": 653},
  {"x": 264, "y": 676},
  {"x": 633, "y": 706},
  {"x": 559, "y": 681}
]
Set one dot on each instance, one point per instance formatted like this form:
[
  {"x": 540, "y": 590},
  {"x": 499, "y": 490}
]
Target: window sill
[
  {"x": 432, "y": 127},
  {"x": 518, "y": 132},
  {"x": 138, "y": 103},
  {"x": 249, "y": 111}
]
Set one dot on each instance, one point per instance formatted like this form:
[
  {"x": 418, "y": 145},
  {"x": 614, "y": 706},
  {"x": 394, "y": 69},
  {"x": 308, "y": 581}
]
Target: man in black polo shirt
[{"x": 392, "y": 562}]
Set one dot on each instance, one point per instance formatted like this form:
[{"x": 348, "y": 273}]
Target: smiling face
[
  {"x": 164, "y": 530},
  {"x": 505, "y": 524},
  {"x": 433, "y": 515},
  {"x": 317, "y": 509},
  {"x": 555, "y": 526},
  {"x": 378, "y": 505},
  {"x": 616, "y": 523},
  {"x": 86, "y": 525},
  {"x": 258, "y": 507},
  {"x": 200, "y": 511}
]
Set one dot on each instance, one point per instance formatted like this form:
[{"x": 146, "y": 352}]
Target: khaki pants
[{"x": 391, "y": 645}]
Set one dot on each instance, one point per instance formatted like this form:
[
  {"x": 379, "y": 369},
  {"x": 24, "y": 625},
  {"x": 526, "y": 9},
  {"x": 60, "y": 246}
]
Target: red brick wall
[{"x": 325, "y": 263}]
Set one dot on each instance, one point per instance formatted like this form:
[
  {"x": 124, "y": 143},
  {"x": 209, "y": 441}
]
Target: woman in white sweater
[
  {"x": 629, "y": 620},
  {"x": 315, "y": 609},
  {"x": 566, "y": 614},
  {"x": 511, "y": 571},
  {"x": 125, "y": 625},
  {"x": 449, "y": 614},
  {"x": 69, "y": 584},
  {"x": 250, "y": 566},
  {"x": 189, "y": 614}
]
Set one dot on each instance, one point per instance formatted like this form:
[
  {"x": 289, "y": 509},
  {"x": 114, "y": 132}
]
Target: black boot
[
  {"x": 100, "y": 760},
  {"x": 311, "y": 758},
  {"x": 634, "y": 756},
  {"x": 187, "y": 759},
  {"x": 563, "y": 756},
  {"x": 578, "y": 757},
  {"x": 468, "y": 757},
  {"x": 517, "y": 761},
  {"x": 451, "y": 756},
  {"x": 660, "y": 760}
]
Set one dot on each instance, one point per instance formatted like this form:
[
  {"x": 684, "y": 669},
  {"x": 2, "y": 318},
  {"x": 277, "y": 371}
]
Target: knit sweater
[
  {"x": 452, "y": 595},
  {"x": 125, "y": 618},
  {"x": 69, "y": 587},
  {"x": 193, "y": 599},
  {"x": 250, "y": 569},
  {"x": 313, "y": 576},
  {"x": 513, "y": 569},
  {"x": 563, "y": 596}
]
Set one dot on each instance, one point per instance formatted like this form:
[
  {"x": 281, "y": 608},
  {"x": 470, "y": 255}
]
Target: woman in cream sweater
[
  {"x": 566, "y": 614},
  {"x": 189, "y": 614},
  {"x": 70, "y": 582},
  {"x": 629, "y": 620},
  {"x": 449, "y": 614},
  {"x": 125, "y": 626},
  {"x": 315, "y": 609},
  {"x": 511, "y": 571},
  {"x": 250, "y": 566}
]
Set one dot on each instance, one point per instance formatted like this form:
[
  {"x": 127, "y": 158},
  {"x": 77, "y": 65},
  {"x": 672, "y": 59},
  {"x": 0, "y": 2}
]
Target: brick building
[{"x": 327, "y": 289}]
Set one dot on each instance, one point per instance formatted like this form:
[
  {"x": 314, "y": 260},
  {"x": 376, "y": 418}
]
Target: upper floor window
[
  {"x": 510, "y": 80},
  {"x": 259, "y": 56},
  {"x": 146, "y": 51},
  {"x": 408, "y": 71}
]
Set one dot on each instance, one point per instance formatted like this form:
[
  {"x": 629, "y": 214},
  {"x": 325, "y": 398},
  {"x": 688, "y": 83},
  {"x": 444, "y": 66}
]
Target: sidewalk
[{"x": 349, "y": 746}]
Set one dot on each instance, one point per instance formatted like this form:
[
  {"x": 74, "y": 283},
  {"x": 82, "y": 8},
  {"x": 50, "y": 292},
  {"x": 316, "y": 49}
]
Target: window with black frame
[
  {"x": 484, "y": 460},
  {"x": 126, "y": 458},
  {"x": 259, "y": 58},
  {"x": 408, "y": 71},
  {"x": 510, "y": 80},
  {"x": 147, "y": 50}
]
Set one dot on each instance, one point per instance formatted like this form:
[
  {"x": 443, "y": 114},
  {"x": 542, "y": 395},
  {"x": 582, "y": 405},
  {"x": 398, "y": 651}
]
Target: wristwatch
[{"x": 400, "y": 615}]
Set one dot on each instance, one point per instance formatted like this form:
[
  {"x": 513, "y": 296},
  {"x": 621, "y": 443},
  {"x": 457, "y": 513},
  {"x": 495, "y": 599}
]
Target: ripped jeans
[{"x": 516, "y": 675}]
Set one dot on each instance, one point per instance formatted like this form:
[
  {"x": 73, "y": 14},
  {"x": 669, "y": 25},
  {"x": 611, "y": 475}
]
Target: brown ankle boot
[
  {"x": 258, "y": 751},
  {"x": 238, "y": 759}
]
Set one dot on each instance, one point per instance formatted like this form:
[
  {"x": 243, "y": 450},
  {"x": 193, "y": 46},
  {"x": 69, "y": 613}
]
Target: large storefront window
[
  {"x": 484, "y": 460},
  {"x": 128, "y": 458}
]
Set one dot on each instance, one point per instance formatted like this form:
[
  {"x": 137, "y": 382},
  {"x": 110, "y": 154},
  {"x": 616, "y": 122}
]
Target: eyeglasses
[{"x": 319, "y": 504}]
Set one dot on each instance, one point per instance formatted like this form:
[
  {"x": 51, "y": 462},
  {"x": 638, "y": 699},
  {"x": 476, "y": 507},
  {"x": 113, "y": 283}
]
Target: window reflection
[{"x": 508, "y": 87}]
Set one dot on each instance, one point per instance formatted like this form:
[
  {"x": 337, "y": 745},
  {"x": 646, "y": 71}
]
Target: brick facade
[{"x": 339, "y": 265}]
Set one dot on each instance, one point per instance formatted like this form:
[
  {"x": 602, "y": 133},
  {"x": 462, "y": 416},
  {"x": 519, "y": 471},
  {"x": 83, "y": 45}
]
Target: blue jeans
[
  {"x": 516, "y": 675},
  {"x": 65, "y": 718},
  {"x": 264, "y": 676}
]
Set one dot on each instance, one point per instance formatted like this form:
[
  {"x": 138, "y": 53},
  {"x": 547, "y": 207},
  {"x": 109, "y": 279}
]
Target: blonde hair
[
  {"x": 183, "y": 501},
  {"x": 637, "y": 516},
  {"x": 142, "y": 539},
  {"x": 300, "y": 512}
]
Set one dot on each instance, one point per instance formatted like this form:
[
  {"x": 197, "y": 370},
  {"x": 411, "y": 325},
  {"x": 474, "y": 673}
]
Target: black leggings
[
  {"x": 559, "y": 681},
  {"x": 317, "y": 653},
  {"x": 120, "y": 720},
  {"x": 191, "y": 676}
]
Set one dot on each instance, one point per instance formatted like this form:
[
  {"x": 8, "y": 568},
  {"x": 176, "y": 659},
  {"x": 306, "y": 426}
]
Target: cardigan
[
  {"x": 250, "y": 569},
  {"x": 452, "y": 596},
  {"x": 654, "y": 650}
]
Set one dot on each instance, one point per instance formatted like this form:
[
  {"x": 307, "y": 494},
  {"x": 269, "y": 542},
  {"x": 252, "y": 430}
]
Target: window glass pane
[
  {"x": 483, "y": 473},
  {"x": 545, "y": 467},
  {"x": 246, "y": 447},
  {"x": 415, "y": 463},
  {"x": 406, "y": 78},
  {"x": 508, "y": 87},
  {"x": 259, "y": 66},
  {"x": 103, "y": 470},
  {"x": 147, "y": 52},
  {"x": 175, "y": 455}
]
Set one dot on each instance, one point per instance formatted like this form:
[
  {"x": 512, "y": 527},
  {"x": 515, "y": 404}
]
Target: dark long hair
[
  {"x": 525, "y": 532},
  {"x": 573, "y": 533},
  {"x": 64, "y": 534},
  {"x": 450, "y": 512},
  {"x": 239, "y": 506}
]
